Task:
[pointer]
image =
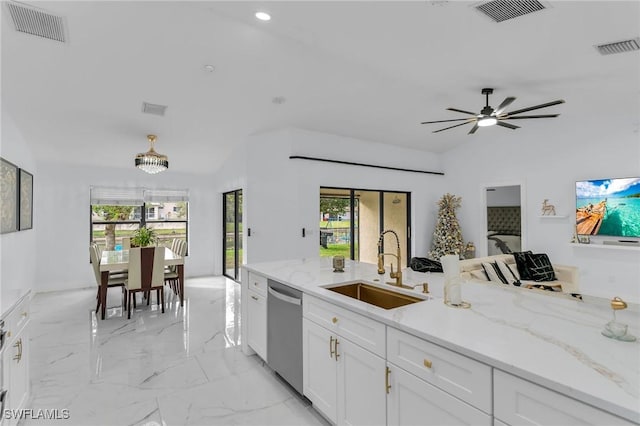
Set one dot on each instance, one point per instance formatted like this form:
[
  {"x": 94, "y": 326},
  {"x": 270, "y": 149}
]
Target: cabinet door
[
  {"x": 361, "y": 385},
  {"x": 520, "y": 402},
  {"x": 257, "y": 324},
  {"x": 15, "y": 365},
  {"x": 319, "y": 368},
  {"x": 412, "y": 401}
]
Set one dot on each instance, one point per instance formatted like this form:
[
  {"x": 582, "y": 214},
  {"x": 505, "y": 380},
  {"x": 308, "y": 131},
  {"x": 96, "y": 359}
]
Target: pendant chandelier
[{"x": 150, "y": 161}]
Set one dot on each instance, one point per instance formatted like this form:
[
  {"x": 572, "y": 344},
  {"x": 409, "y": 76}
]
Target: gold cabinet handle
[
  {"x": 18, "y": 345},
  {"x": 335, "y": 346},
  {"x": 331, "y": 350},
  {"x": 254, "y": 297},
  {"x": 334, "y": 320},
  {"x": 427, "y": 363},
  {"x": 387, "y": 386}
]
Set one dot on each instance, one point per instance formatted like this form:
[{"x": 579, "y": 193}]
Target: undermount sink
[{"x": 381, "y": 297}]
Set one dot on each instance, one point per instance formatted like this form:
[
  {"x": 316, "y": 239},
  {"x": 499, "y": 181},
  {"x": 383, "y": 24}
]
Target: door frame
[{"x": 237, "y": 261}]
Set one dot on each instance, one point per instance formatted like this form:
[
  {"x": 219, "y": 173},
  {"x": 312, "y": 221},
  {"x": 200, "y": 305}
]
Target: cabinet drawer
[
  {"x": 258, "y": 283},
  {"x": 518, "y": 401},
  {"x": 456, "y": 374},
  {"x": 17, "y": 318},
  {"x": 361, "y": 330}
]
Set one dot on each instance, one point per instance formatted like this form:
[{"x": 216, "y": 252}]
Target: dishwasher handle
[{"x": 285, "y": 298}]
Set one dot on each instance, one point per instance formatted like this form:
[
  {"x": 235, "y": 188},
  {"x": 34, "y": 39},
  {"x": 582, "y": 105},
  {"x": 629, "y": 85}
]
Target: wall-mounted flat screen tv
[{"x": 608, "y": 207}]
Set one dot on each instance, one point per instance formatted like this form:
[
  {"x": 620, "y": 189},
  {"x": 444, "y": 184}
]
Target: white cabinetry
[
  {"x": 15, "y": 358},
  {"x": 344, "y": 366},
  {"x": 520, "y": 402},
  {"x": 257, "y": 314},
  {"x": 431, "y": 385}
]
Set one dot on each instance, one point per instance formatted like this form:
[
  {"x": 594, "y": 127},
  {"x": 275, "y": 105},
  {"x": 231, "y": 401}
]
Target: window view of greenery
[
  {"x": 335, "y": 227},
  {"x": 109, "y": 224}
]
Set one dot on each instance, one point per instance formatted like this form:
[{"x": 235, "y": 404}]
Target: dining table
[{"x": 118, "y": 260}]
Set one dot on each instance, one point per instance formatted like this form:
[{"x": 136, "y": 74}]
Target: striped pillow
[
  {"x": 512, "y": 277},
  {"x": 493, "y": 273}
]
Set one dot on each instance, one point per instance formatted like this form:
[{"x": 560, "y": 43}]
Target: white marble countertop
[{"x": 551, "y": 340}]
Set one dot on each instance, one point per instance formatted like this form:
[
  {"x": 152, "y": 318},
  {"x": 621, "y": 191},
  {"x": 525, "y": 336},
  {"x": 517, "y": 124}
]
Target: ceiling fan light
[{"x": 487, "y": 121}]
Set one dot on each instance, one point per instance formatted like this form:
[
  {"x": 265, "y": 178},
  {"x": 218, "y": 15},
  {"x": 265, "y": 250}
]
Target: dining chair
[
  {"x": 179, "y": 247},
  {"x": 115, "y": 280},
  {"x": 146, "y": 273}
]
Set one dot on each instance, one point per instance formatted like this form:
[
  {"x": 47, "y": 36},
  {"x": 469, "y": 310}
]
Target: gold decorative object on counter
[{"x": 614, "y": 329}]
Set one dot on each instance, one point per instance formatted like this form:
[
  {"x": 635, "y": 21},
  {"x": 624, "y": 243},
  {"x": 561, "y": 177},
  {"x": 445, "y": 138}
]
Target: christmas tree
[{"x": 447, "y": 237}]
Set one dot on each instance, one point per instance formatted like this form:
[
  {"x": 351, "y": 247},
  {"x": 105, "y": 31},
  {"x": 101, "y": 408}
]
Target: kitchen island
[{"x": 528, "y": 350}]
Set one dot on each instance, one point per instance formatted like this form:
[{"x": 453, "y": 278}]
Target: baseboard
[{"x": 634, "y": 243}]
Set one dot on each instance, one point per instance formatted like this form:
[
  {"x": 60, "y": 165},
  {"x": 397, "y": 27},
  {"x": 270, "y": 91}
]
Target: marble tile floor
[{"x": 183, "y": 367}]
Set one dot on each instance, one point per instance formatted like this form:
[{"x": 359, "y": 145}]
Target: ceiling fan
[{"x": 489, "y": 116}]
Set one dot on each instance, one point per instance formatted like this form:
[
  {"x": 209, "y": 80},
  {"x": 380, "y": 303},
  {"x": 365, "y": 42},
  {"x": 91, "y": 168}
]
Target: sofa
[{"x": 567, "y": 276}]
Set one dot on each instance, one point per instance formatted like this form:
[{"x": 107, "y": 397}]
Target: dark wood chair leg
[
  {"x": 129, "y": 304},
  {"x": 162, "y": 298},
  {"x": 98, "y": 303}
]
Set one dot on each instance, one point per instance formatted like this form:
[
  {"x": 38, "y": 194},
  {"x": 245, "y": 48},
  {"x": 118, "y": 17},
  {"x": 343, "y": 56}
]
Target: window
[
  {"x": 116, "y": 213},
  {"x": 351, "y": 221}
]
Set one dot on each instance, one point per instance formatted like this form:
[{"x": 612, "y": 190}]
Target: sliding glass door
[
  {"x": 351, "y": 221},
  {"x": 232, "y": 234}
]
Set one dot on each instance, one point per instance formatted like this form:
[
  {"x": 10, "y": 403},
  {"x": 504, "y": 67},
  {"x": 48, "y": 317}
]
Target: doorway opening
[
  {"x": 504, "y": 219},
  {"x": 351, "y": 221}
]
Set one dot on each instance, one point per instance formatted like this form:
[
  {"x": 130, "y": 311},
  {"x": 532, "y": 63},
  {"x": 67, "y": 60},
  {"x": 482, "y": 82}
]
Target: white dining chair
[
  {"x": 115, "y": 280},
  {"x": 146, "y": 273}
]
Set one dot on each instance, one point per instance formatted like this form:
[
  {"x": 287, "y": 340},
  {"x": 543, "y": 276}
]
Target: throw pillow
[
  {"x": 508, "y": 274},
  {"x": 540, "y": 268},
  {"x": 521, "y": 264},
  {"x": 493, "y": 273}
]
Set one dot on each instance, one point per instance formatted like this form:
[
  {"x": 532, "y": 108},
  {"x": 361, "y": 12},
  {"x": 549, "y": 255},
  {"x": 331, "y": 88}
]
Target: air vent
[
  {"x": 619, "y": 46},
  {"x": 502, "y": 10},
  {"x": 37, "y": 22},
  {"x": 154, "y": 109}
]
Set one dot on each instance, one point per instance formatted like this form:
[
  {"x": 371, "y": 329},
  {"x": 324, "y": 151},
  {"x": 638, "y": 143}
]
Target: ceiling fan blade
[
  {"x": 451, "y": 127},
  {"x": 446, "y": 121},
  {"x": 462, "y": 111},
  {"x": 473, "y": 129},
  {"x": 548, "y": 104},
  {"x": 529, "y": 116},
  {"x": 508, "y": 125},
  {"x": 504, "y": 105}
]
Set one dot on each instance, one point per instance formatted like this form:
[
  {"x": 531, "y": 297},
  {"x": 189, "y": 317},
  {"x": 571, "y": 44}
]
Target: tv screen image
[{"x": 608, "y": 207}]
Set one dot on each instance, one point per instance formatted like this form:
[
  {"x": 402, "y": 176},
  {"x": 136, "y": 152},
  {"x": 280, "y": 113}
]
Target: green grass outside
[
  {"x": 335, "y": 250},
  {"x": 126, "y": 233}
]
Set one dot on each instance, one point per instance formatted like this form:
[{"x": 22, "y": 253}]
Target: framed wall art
[
  {"x": 26, "y": 200},
  {"x": 8, "y": 197}
]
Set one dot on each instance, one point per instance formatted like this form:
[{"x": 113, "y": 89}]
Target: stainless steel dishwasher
[{"x": 284, "y": 332}]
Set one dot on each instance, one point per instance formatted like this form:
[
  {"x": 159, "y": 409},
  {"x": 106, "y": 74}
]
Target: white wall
[
  {"x": 63, "y": 217},
  {"x": 548, "y": 167},
  {"x": 282, "y": 194},
  {"x": 17, "y": 249},
  {"x": 504, "y": 196}
]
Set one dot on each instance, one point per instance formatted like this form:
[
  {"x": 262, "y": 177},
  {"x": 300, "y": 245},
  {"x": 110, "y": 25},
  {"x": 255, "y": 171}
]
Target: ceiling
[{"x": 370, "y": 70}]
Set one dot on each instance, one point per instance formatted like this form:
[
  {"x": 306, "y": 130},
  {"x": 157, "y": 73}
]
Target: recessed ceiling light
[
  {"x": 263, "y": 16},
  {"x": 209, "y": 68}
]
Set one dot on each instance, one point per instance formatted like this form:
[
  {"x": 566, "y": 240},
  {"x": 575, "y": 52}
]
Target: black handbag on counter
[{"x": 422, "y": 264}]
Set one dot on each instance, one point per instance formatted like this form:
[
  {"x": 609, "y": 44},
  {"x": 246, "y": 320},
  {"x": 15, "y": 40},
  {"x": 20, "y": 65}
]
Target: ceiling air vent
[
  {"x": 154, "y": 109},
  {"x": 502, "y": 10},
  {"x": 619, "y": 46},
  {"x": 37, "y": 22}
]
